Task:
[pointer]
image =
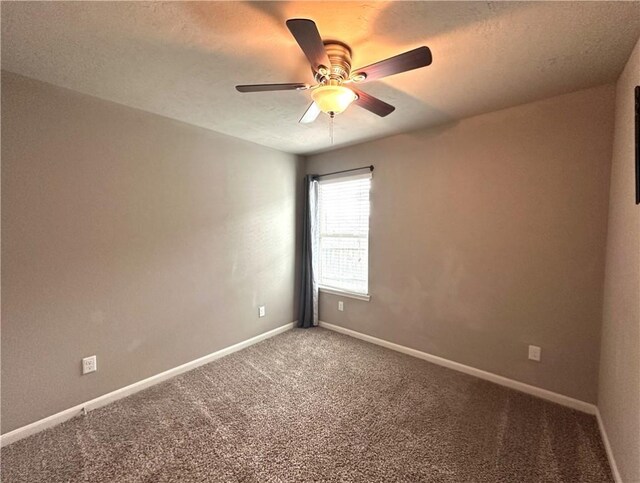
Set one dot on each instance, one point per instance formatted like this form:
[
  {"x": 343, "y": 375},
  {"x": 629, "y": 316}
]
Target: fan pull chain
[{"x": 331, "y": 129}]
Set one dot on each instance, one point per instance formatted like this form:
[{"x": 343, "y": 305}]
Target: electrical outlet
[
  {"x": 89, "y": 364},
  {"x": 262, "y": 311},
  {"x": 534, "y": 353},
  {"x": 340, "y": 305}
]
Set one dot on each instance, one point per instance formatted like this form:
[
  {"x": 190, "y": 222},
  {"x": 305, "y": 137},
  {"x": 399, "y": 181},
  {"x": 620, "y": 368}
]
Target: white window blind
[{"x": 343, "y": 212}]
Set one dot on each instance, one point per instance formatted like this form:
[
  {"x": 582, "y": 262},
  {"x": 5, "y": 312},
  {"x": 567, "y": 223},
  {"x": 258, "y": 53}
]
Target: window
[{"x": 343, "y": 214}]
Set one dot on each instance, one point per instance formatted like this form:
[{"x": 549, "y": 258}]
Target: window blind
[{"x": 343, "y": 212}]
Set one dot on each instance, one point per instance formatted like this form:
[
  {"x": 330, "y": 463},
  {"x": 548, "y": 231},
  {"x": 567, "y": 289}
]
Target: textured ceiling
[{"x": 182, "y": 59}]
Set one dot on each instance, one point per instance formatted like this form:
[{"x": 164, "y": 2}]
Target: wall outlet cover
[
  {"x": 89, "y": 364},
  {"x": 340, "y": 305},
  {"x": 535, "y": 353},
  {"x": 262, "y": 311}
]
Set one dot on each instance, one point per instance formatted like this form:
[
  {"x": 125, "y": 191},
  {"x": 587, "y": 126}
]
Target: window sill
[{"x": 352, "y": 295}]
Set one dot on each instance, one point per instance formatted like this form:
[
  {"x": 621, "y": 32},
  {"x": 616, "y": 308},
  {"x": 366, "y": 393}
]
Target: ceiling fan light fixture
[
  {"x": 330, "y": 62},
  {"x": 333, "y": 99}
]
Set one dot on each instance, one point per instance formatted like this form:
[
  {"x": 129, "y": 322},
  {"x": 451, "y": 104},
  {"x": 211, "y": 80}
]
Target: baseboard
[
  {"x": 456, "y": 366},
  {"x": 55, "y": 419},
  {"x": 607, "y": 448}
]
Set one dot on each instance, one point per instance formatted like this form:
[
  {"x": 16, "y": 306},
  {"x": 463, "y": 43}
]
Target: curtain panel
[{"x": 308, "y": 299}]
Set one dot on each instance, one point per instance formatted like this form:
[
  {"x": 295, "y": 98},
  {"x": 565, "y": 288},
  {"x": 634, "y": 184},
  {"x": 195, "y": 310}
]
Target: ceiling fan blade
[
  {"x": 310, "y": 114},
  {"x": 306, "y": 34},
  {"x": 372, "y": 104},
  {"x": 414, "y": 59},
  {"x": 272, "y": 87}
]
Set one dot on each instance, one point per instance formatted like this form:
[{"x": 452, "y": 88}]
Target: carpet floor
[{"x": 314, "y": 405}]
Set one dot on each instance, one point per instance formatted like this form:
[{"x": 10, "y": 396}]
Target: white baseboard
[
  {"x": 607, "y": 448},
  {"x": 456, "y": 366},
  {"x": 105, "y": 399}
]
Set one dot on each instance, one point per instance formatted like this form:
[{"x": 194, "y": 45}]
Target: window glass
[{"x": 343, "y": 209}]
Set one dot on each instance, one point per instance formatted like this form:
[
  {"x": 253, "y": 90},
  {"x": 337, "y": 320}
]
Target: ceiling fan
[{"x": 330, "y": 61}]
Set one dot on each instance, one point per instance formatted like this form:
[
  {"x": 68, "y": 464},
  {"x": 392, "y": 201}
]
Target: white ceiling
[{"x": 182, "y": 59}]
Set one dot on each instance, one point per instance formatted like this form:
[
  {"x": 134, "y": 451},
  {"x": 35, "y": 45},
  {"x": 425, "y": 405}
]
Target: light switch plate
[{"x": 262, "y": 311}]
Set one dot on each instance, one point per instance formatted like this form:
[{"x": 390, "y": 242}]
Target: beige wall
[
  {"x": 140, "y": 239},
  {"x": 489, "y": 235},
  {"x": 619, "y": 391}
]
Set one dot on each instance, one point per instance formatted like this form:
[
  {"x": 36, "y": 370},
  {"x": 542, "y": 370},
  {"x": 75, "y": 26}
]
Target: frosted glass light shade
[{"x": 333, "y": 99}]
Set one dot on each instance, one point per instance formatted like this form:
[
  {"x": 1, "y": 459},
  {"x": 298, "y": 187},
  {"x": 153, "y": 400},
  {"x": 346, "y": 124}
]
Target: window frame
[{"x": 328, "y": 289}]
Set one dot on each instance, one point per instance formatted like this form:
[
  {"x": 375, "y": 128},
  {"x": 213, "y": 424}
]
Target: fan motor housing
[{"x": 339, "y": 54}]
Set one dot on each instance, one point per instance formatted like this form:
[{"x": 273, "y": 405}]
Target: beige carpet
[{"x": 313, "y": 405}]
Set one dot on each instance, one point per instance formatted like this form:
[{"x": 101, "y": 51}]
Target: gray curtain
[{"x": 308, "y": 308}]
